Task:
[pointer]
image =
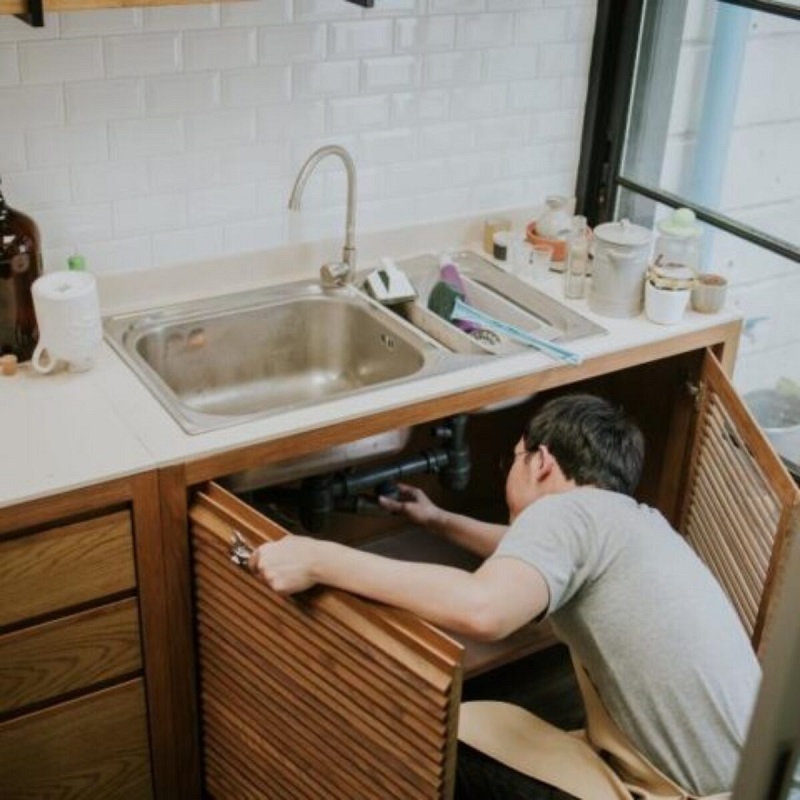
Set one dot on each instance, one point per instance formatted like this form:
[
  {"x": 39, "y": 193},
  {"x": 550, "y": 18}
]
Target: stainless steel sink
[{"x": 218, "y": 362}]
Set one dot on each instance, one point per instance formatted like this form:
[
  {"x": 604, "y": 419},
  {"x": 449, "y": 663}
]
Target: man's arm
[
  {"x": 489, "y": 604},
  {"x": 474, "y": 535}
]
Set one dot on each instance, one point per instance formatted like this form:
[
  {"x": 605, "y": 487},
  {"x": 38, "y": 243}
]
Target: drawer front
[
  {"x": 65, "y": 566},
  {"x": 331, "y": 696},
  {"x": 68, "y": 654},
  {"x": 94, "y": 747}
]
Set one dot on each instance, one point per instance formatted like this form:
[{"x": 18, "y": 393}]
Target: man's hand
[
  {"x": 286, "y": 565},
  {"x": 414, "y": 504}
]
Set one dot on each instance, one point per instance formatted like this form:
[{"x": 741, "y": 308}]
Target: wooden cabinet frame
[{"x": 677, "y": 361}]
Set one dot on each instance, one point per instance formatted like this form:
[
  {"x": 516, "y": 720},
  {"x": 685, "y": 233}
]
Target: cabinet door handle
[{"x": 240, "y": 550}]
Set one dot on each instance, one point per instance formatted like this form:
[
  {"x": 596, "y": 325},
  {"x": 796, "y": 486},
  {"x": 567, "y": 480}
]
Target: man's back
[{"x": 651, "y": 625}]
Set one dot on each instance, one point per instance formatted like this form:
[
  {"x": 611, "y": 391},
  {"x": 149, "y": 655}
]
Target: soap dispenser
[{"x": 20, "y": 266}]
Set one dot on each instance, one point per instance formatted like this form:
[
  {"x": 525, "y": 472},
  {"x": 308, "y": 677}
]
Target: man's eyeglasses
[{"x": 506, "y": 462}]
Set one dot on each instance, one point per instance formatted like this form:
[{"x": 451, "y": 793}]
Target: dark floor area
[{"x": 544, "y": 683}]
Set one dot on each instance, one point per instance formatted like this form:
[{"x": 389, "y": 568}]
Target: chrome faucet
[{"x": 337, "y": 273}]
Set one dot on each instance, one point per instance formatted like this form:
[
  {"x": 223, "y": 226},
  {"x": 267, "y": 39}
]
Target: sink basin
[{"x": 218, "y": 362}]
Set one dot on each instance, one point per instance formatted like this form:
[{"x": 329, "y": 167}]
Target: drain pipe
[
  {"x": 726, "y": 58},
  {"x": 341, "y": 491}
]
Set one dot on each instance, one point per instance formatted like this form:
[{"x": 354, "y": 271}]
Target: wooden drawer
[
  {"x": 68, "y": 654},
  {"x": 94, "y": 747},
  {"x": 65, "y": 566}
]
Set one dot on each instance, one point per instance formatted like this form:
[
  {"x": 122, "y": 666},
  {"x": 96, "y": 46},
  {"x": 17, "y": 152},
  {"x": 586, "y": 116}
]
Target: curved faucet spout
[{"x": 349, "y": 250}]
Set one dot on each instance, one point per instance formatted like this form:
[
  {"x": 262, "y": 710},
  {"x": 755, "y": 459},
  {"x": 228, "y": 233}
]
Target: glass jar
[
  {"x": 556, "y": 221},
  {"x": 678, "y": 241},
  {"x": 20, "y": 266},
  {"x": 577, "y": 259}
]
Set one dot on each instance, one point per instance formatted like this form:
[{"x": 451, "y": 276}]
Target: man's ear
[{"x": 547, "y": 462}]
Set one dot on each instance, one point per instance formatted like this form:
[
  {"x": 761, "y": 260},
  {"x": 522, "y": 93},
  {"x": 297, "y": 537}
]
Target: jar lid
[
  {"x": 682, "y": 224},
  {"x": 623, "y": 232}
]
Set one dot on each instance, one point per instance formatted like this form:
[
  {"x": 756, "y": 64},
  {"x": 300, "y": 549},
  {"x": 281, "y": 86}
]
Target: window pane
[
  {"x": 763, "y": 287},
  {"x": 716, "y": 112}
]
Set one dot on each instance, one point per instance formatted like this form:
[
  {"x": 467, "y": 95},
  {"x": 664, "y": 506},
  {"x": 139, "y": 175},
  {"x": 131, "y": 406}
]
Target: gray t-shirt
[{"x": 662, "y": 642}]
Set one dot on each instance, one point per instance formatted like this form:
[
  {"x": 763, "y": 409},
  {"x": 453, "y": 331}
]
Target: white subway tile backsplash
[
  {"x": 282, "y": 45},
  {"x": 411, "y": 108},
  {"x": 362, "y": 38},
  {"x": 38, "y": 189},
  {"x": 358, "y": 113},
  {"x": 149, "y": 54},
  {"x": 291, "y": 120},
  {"x": 325, "y": 79},
  {"x": 455, "y": 67},
  {"x": 382, "y": 147},
  {"x": 510, "y": 63},
  {"x": 219, "y": 49},
  {"x": 488, "y": 99},
  {"x": 142, "y": 138},
  {"x": 221, "y": 204},
  {"x": 540, "y": 94},
  {"x": 446, "y": 138},
  {"x": 31, "y": 106},
  {"x": 152, "y": 214},
  {"x": 77, "y": 144},
  {"x": 189, "y": 244},
  {"x": 542, "y": 25},
  {"x": 183, "y": 18},
  {"x": 63, "y": 60},
  {"x": 256, "y": 87},
  {"x": 175, "y": 94},
  {"x": 101, "y": 22},
  {"x": 183, "y": 172},
  {"x": 9, "y": 70},
  {"x": 255, "y": 12},
  {"x": 163, "y": 134},
  {"x": 12, "y": 149},
  {"x": 110, "y": 180},
  {"x": 420, "y": 34},
  {"x": 90, "y": 101},
  {"x": 229, "y": 128},
  {"x": 73, "y": 224},
  {"x": 394, "y": 72},
  {"x": 484, "y": 30},
  {"x": 305, "y": 10}
]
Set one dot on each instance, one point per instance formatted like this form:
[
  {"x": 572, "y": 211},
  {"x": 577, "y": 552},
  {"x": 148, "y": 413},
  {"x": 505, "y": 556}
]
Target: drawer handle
[{"x": 240, "y": 550}]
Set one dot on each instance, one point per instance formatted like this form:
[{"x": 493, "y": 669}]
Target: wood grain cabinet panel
[
  {"x": 69, "y": 654},
  {"x": 65, "y": 566},
  {"x": 94, "y": 747}
]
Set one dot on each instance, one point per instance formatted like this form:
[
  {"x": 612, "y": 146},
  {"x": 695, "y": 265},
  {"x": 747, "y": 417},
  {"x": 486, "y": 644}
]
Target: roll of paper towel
[{"x": 68, "y": 315}]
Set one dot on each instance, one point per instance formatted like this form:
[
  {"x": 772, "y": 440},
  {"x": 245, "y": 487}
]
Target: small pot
[{"x": 663, "y": 305}]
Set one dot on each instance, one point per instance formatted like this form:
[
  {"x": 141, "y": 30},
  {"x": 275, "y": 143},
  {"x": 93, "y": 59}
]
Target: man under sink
[{"x": 666, "y": 669}]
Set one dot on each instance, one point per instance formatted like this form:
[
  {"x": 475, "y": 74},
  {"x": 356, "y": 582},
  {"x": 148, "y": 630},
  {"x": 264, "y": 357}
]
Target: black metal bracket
[
  {"x": 34, "y": 16},
  {"x": 364, "y": 3}
]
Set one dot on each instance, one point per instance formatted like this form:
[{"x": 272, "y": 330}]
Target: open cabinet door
[
  {"x": 318, "y": 695},
  {"x": 740, "y": 505}
]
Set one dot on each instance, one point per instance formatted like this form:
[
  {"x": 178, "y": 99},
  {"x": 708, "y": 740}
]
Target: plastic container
[
  {"x": 20, "y": 266},
  {"x": 678, "y": 241}
]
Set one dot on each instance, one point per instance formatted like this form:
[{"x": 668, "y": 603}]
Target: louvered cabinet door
[
  {"x": 312, "y": 696},
  {"x": 741, "y": 505}
]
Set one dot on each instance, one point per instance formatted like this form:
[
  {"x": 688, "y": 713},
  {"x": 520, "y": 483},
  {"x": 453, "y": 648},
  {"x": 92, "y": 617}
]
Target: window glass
[{"x": 716, "y": 112}]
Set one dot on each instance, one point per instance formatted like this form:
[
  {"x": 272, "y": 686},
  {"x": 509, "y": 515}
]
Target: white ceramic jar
[{"x": 621, "y": 254}]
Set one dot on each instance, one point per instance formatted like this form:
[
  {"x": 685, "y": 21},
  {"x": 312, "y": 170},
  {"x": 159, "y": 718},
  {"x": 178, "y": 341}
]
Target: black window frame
[{"x": 618, "y": 28}]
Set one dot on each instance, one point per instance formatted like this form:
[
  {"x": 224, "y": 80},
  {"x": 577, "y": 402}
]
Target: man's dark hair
[{"x": 592, "y": 440}]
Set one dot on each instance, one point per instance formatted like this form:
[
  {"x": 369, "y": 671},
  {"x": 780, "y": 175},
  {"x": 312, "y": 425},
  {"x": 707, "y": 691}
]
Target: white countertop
[{"x": 68, "y": 430}]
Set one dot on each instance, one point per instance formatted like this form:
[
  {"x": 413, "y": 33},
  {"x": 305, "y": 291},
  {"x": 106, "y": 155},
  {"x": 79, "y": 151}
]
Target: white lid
[
  {"x": 681, "y": 224},
  {"x": 623, "y": 232}
]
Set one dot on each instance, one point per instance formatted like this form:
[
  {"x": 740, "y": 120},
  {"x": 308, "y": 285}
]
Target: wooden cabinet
[
  {"x": 73, "y": 712},
  {"x": 334, "y": 696}
]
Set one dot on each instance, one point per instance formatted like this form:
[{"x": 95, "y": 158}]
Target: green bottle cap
[{"x": 77, "y": 263}]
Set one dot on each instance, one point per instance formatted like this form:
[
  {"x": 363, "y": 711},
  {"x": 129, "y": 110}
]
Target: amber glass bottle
[{"x": 20, "y": 266}]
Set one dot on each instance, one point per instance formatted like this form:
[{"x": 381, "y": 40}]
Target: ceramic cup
[
  {"x": 664, "y": 306},
  {"x": 709, "y": 292},
  {"x": 68, "y": 316}
]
